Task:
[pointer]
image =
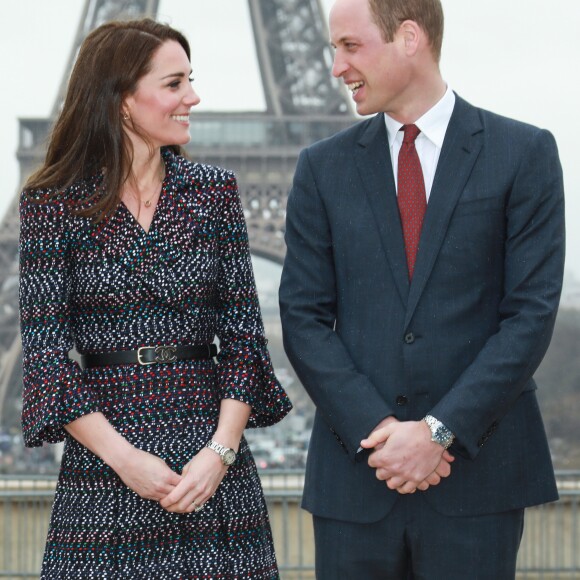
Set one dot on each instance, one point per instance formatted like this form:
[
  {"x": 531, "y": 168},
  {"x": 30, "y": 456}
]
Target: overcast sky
[{"x": 516, "y": 57}]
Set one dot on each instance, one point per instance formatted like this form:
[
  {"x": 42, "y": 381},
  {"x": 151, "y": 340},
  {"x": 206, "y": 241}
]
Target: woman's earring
[{"x": 126, "y": 116}]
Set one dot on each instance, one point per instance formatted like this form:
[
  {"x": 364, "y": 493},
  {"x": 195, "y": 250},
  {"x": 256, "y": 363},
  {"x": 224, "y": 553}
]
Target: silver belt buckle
[{"x": 163, "y": 354}]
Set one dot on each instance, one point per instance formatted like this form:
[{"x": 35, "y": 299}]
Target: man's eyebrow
[{"x": 342, "y": 40}]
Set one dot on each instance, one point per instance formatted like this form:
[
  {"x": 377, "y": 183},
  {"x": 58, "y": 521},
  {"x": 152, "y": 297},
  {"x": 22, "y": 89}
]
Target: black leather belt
[{"x": 150, "y": 355}]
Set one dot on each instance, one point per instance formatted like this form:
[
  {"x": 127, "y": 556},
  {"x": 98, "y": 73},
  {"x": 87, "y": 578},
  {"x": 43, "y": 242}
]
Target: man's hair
[{"x": 428, "y": 14}]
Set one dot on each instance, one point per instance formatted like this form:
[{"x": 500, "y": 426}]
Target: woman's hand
[
  {"x": 199, "y": 481},
  {"x": 203, "y": 474},
  {"x": 147, "y": 475}
]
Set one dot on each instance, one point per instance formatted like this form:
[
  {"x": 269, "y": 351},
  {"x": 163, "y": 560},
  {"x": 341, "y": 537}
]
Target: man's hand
[{"x": 405, "y": 457}]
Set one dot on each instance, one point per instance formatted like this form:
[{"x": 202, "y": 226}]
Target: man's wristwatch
[
  {"x": 439, "y": 433},
  {"x": 227, "y": 455}
]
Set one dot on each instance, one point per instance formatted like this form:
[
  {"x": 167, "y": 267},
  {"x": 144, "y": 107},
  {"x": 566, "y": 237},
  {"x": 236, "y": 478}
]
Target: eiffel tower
[{"x": 303, "y": 104}]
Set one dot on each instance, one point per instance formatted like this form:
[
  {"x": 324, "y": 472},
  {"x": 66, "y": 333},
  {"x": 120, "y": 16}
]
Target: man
[{"x": 419, "y": 293}]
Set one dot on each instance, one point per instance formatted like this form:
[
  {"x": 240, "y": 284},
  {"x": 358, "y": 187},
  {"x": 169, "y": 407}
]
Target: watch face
[
  {"x": 439, "y": 435},
  {"x": 229, "y": 457},
  {"x": 443, "y": 437}
]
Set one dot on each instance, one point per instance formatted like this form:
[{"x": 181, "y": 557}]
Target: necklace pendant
[{"x": 147, "y": 203}]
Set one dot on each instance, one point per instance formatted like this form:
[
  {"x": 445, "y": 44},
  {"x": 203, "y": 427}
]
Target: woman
[{"x": 138, "y": 258}]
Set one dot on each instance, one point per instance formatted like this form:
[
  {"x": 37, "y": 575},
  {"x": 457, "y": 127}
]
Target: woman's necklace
[
  {"x": 156, "y": 189},
  {"x": 147, "y": 202}
]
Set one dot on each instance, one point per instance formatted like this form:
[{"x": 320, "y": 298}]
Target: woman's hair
[{"x": 88, "y": 135}]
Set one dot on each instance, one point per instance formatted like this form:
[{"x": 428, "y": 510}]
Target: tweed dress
[{"x": 113, "y": 286}]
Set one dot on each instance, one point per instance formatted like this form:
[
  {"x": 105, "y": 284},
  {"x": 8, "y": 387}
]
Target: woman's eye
[{"x": 175, "y": 84}]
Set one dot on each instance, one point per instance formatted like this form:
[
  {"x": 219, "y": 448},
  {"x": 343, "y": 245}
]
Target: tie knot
[{"x": 411, "y": 132}]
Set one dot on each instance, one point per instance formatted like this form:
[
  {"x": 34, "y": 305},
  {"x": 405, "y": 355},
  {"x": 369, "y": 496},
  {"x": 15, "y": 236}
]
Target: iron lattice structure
[{"x": 303, "y": 104}]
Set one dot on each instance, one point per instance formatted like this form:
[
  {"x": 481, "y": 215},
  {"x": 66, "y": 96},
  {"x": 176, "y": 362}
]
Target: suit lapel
[
  {"x": 461, "y": 147},
  {"x": 376, "y": 171}
]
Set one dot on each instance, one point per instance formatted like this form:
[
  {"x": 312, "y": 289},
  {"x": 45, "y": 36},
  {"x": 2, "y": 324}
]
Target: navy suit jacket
[{"x": 460, "y": 342}]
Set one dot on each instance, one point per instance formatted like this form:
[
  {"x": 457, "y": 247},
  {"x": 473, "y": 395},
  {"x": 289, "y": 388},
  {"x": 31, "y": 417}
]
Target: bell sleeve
[
  {"x": 54, "y": 393},
  {"x": 245, "y": 370}
]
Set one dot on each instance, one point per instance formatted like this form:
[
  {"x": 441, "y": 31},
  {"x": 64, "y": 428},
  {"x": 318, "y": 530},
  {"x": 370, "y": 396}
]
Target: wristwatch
[
  {"x": 439, "y": 433},
  {"x": 228, "y": 455}
]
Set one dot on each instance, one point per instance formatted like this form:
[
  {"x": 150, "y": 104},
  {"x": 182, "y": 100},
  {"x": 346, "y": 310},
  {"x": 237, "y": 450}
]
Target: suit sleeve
[
  {"x": 533, "y": 272},
  {"x": 347, "y": 400}
]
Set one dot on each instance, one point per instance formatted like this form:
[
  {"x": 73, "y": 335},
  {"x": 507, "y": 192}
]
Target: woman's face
[{"x": 161, "y": 104}]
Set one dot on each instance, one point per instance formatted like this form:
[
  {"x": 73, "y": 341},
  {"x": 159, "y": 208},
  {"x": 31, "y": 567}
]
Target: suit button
[
  {"x": 409, "y": 338},
  {"x": 402, "y": 400}
]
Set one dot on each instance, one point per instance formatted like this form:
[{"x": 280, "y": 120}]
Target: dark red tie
[{"x": 411, "y": 194}]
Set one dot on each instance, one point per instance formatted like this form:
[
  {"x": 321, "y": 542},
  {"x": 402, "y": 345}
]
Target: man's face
[{"x": 376, "y": 72}]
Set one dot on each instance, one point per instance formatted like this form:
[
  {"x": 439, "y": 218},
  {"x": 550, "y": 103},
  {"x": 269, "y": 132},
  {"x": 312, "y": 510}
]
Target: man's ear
[{"x": 411, "y": 33}]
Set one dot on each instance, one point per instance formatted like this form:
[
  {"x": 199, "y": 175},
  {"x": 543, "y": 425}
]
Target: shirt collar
[{"x": 433, "y": 123}]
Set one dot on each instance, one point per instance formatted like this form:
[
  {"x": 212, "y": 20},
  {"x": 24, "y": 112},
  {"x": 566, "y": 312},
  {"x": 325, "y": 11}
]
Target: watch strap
[
  {"x": 439, "y": 432},
  {"x": 226, "y": 453}
]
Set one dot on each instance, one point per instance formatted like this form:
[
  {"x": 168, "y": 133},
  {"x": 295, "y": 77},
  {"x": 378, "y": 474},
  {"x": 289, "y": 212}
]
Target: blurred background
[{"x": 515, "y": 58}]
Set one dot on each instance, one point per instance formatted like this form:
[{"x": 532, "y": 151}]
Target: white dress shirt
[{"x": 433, "y": 125}]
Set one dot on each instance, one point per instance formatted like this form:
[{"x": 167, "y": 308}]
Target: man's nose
[{"x": 339, "y": 65}]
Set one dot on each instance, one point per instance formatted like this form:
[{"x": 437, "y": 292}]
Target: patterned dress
[{"x": 112, "y": 286}]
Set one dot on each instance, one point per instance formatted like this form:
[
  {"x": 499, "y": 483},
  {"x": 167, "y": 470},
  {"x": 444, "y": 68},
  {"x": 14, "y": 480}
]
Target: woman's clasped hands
[{"x": 151, "y": 478}]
